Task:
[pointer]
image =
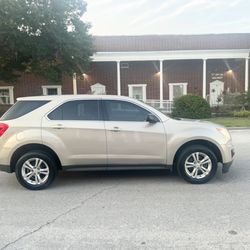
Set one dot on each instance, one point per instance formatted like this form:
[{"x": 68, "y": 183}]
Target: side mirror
[{"x": 152, "y": 118}]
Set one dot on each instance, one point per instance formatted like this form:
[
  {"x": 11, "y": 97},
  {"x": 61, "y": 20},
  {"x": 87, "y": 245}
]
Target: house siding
[
  {"x": 141, "y": 73},
  {"x": 99, "y": 72},
  {"x": 234, "y": 82},
  {"x": 189, "y": 71},
  {"x": 174, "y": 71}
]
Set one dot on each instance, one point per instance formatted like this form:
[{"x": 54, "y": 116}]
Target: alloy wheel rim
[
  {"x": 198, "y": 165},
  {"x": 35, "y": 171}
]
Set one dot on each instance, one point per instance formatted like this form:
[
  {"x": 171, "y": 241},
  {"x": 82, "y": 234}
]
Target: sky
[{"x": 139, "y": 17}]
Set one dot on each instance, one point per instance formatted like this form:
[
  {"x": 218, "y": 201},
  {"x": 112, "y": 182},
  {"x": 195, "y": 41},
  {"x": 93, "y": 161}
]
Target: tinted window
[
  {"x": 77, "y": 110},
  {"x": 22, "y": 108},
  {"x": 125, "y": 111}
]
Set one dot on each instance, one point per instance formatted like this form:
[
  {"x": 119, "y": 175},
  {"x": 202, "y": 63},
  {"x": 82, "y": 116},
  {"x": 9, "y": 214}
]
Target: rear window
[{"x": 22, "y": 108}]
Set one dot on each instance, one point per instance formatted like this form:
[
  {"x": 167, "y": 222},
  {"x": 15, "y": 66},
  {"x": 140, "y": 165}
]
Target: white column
[
  {"x": 74, "y": 84},
  {"x": 118, "y": 78},
  {"x": 161, "y": 83},
  {"x": 246, "y": 74},
  {"x": 204, "y": 84}
]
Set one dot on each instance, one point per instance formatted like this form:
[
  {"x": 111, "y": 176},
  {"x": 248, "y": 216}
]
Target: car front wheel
[
  {"x": 36, "y": 170},
  {"x": 197, "y": 164}
]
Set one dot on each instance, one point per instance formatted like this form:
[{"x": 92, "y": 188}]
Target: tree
[{"x": 44, "y": 37}]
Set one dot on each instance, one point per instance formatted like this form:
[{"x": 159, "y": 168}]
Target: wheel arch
[
  {"x": 202, "y": 142},
  {"x": 32, "y": 147}
]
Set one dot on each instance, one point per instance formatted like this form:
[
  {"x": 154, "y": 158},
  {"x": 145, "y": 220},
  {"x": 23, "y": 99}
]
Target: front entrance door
[{"x": 216, "y": 89}]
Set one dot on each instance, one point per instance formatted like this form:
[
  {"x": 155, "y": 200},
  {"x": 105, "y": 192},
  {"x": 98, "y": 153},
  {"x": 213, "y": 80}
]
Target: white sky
[{"x": 137, "y": 17}]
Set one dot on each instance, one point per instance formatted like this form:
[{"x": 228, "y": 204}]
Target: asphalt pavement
[{"x": 131, "y": 210}]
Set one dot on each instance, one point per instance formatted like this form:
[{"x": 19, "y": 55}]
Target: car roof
[{"x": 70, "y": 97}]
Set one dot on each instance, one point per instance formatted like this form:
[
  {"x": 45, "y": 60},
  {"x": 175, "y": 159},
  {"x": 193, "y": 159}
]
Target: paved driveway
[{"x": 130, "y": 210}]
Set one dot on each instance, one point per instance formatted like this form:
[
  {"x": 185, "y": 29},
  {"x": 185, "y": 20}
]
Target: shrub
[
  {"x": 237, "y": 100},
  {"x": 242, "y": 113},
  {"x": 191, "y": 106}
]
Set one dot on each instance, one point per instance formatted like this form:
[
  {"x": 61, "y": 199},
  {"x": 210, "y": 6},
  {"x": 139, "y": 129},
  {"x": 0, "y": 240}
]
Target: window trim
[
  {"x": 105, "y": 112},
  {"x": 171, "y": 89},
  {"x": 11, "y": 94},
  {"x": 46, "y": 87},
  {"x": 144, "y": 91}
]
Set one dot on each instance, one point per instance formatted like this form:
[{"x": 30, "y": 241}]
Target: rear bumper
[{"x": 5, "y": 168}]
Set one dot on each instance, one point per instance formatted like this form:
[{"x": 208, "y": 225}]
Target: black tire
[
  {"x": 186, "y": 153},
  {"x": 47, "y": 159}
]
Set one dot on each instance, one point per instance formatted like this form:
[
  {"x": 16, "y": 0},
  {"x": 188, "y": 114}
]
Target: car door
[
  {"x": 76, "y": 130},
  {"x": 131, "y": 140}
]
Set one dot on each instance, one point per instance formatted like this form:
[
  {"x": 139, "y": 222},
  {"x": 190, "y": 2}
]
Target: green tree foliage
[
  {"x": 191, "y": 106},
  {"x": 44, "y": 37}
]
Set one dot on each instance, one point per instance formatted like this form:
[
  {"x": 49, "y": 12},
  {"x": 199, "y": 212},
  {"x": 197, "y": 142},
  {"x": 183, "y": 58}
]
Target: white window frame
[
  {"x": 11, "y": 94},
  {"x": 46, "y": 87},
  {"x": 98, "y": 85},
  {"x": 171, "y": 89},
  {"x": 144, "y": 90}
]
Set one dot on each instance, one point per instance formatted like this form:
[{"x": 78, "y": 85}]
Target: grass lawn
[{"x": 231, "y": 121}]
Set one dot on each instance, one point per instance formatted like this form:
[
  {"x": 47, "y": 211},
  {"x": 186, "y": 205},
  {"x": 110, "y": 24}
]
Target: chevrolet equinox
[{"x": 40, "y": 136}]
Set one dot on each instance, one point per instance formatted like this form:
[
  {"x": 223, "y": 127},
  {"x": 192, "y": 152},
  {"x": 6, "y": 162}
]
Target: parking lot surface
[{"x": 131, "y": 210}]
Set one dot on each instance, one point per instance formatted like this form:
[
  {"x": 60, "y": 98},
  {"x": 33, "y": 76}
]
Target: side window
[
  {"x": 22, "y": 108},
  {"x": 125, "y": 111},
  {"x": 77, "y": 110}
]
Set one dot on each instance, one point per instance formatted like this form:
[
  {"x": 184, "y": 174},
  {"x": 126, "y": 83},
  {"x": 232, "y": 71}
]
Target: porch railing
[{"x": 167, "y": 105}]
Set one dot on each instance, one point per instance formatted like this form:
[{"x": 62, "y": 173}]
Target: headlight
[{"x": 225, "y": 132}]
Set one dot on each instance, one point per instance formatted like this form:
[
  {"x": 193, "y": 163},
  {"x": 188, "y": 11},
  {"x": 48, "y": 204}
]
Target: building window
[
  {"x": 52, "y": 90},
  {"x": 137, "y": 91},
  {"x": 6, "y": 95},
  {"x": 98, "y": 89},
  {"x": 124, "y": 66},
  {"x": 176, "y": 90}
]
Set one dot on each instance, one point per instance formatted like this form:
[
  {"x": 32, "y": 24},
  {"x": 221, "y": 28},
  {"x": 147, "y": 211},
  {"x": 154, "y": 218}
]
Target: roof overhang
[{"x": 170, "y": 55}]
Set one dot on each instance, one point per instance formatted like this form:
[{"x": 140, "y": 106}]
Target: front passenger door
[{"x": 131, "y": 140}]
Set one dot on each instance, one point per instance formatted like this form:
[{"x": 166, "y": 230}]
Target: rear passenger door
[{"x": 76, "y": 128}]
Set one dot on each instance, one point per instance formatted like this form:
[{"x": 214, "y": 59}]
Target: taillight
[{"x": 3, "y": 128}]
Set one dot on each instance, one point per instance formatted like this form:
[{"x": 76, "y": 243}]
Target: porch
[{"x": 158, "y": 77}]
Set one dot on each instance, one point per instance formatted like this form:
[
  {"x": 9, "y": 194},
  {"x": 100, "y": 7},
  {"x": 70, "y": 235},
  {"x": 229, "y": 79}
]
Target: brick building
[{"x": 152, "y": 68}]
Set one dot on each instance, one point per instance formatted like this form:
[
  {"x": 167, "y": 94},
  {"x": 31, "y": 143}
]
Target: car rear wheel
[
  {"x": 197, "y": 164},
  {"x": 36, "y": 170}
]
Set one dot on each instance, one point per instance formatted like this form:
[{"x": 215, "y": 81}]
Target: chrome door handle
[
  {"x": 58, "y": 126},
  {"x": 115, "y": 129}
]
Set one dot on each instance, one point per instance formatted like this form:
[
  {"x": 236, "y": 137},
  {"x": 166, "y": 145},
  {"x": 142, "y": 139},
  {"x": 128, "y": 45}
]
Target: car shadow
[{"x": 78, "y": 178}]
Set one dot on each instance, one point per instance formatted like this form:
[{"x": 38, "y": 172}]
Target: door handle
[
  {"x": 115, "y": 129},
  {"x": 58, "y": 126}
]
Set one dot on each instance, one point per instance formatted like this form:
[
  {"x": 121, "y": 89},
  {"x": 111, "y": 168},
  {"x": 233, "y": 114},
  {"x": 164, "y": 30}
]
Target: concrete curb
[{"x": 238, "y": 128}]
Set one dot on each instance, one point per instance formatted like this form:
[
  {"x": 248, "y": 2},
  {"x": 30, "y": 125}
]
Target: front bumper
[
  {"x": 5, "y": 168},
  {"x": 230, "y": 155},
  {"x": 226, "y": 167}
]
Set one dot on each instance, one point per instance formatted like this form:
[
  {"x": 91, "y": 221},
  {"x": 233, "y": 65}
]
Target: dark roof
[{"x": 171, "y": 42}]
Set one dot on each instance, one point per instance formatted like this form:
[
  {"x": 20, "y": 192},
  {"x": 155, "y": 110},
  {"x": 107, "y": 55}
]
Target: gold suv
[{"x": 40, "y": 136}]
